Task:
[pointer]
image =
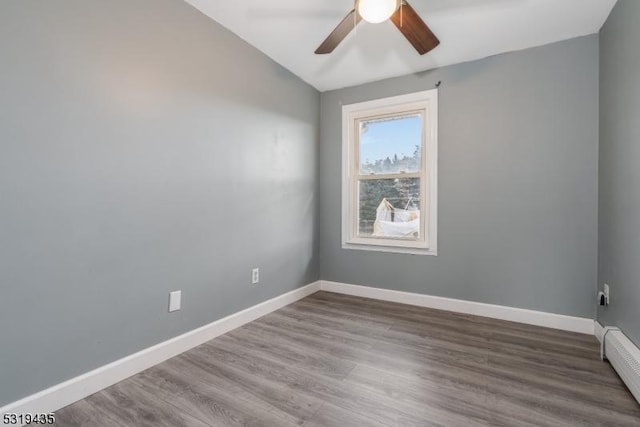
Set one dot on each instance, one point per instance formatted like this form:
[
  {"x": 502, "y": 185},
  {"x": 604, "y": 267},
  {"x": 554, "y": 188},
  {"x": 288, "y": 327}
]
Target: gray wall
[
  {"x": 518, "y": 183},
  {"x": 619, "y": 236},
  {"x": 143, "y": 149}
]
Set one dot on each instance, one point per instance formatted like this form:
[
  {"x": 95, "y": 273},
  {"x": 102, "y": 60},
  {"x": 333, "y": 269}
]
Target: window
[{"x": 389, "y": 190}]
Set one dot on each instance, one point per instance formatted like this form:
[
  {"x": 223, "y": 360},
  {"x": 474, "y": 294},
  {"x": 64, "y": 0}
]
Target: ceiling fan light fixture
[
  {"x": 376, "y": 11},
  {"x": 406, "y": 20}
]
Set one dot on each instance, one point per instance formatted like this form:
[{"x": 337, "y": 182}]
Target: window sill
[{"x": 389, "y": 249}]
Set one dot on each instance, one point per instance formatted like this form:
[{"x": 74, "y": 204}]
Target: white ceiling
[{"x": 289, "y": 31}]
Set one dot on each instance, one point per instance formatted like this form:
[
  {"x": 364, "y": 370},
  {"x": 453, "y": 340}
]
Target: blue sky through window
[{"x": 386, "y": 138}]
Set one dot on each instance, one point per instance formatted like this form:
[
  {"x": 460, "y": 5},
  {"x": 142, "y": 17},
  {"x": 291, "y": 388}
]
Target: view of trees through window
[
  {"x": 389, "y": 146},
  {"x": 401, "y": 193}
]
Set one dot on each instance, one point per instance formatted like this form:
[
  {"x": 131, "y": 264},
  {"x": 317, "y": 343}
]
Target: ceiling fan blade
[
  {"x": 340, "y": 32},
  {"x": 414, "y": 29}
]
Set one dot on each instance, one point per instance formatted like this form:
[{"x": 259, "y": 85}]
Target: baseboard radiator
[{"x": 624, "y": 356}]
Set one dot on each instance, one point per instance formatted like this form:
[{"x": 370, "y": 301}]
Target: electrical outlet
[
  {"x": 255, "y": 276},
  {"x": 607, "y": 294},
  {"x": 175, "y": 301}
]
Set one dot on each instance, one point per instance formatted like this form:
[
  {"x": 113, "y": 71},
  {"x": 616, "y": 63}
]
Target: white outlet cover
[
  {"x": 175, "y": 301},
  {"x": 255, "y": 276}
]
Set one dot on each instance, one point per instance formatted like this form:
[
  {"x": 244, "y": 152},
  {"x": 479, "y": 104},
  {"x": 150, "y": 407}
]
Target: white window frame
[{"x": 426, "y": 103}]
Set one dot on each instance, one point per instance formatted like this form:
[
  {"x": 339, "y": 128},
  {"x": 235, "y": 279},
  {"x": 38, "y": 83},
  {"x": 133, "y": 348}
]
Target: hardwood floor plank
[
  {"x": 408, "y": 313},
  {"x": 132, "y": 405},
  {"x": 384, "y": 355},
  {"x": 291, "y": 352},
  {"x": 350, "y": 397},
  {"x": 331, "y": 415},
  {"x": 427, "y": 337},
  {"x": 597, "y": 393},
  {"x": 204, "y": 400},
  {"x": 514, "y": 403},
  {"x": 83, "y": 413},
  {"x": 457, "y": 405},
  {"x": 274, "y": 393}
]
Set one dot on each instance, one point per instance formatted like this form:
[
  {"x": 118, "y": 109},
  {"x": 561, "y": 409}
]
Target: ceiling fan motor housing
[{"x": 376, "y": 11}]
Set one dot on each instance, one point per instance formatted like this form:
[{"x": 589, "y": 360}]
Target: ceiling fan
[{"x": 403, "y": 16}]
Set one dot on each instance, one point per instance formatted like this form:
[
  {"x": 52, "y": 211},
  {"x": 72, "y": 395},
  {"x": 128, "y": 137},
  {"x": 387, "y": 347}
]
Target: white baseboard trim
[
  {"x": 520, "y": 315},
  {"x": 78, "y": 388},
  {"x": 598, "y": 330}
]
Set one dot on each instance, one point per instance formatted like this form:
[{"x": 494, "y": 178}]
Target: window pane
[
  {"x": 389, "y": 208},
  {"x": 391, "y": 145}
]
